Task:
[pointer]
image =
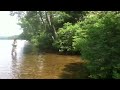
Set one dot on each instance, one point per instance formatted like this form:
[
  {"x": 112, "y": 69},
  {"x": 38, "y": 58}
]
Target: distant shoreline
[{"x": 9, "y": 37}]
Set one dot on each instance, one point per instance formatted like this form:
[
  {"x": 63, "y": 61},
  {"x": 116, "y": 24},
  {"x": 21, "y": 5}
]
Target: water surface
[{"x": 27, "y": 65}]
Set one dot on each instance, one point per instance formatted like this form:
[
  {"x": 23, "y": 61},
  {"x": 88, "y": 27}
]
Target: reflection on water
[
  {"x": 14, "y": 69},
  {"x": 14, "y": 57},
  {"x": 27, "y": 65}
]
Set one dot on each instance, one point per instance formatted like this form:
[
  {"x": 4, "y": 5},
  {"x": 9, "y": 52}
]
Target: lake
[{"x": 28, "y": 65}]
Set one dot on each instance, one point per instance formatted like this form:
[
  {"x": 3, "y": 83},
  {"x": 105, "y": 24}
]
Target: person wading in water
[{"x": 14, "y": 47}]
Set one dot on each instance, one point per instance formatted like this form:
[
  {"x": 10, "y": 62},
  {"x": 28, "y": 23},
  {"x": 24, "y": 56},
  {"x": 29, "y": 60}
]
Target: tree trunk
[
  {"x": 51, "y": 25},
  {"x": 41, "y": 17}
]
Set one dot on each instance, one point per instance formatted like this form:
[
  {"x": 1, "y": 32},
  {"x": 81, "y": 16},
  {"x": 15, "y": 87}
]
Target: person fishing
[{"x": 14, "y": 47}]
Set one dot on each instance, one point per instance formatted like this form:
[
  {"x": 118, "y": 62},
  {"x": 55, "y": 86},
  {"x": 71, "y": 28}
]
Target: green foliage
[
  {"x": 102, "y": 45},
  {"x": 34, "y": 23},
  {"x": 34, "y": 29},
  {"x": 65, "y": 37},
  {"x": 71, "y": 38},
  {"x": 75, "y": 16},
  {"x": 79, "y": 37},
  {"x": 42, "y": 41}
]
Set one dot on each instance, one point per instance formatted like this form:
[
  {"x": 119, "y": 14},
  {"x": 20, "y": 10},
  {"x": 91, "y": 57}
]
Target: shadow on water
[
  {"x": 29, "y": 49},
  {"x": 74, "y": 71}
]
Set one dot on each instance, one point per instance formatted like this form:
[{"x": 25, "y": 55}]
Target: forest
[{"x": 94, "y": 35}]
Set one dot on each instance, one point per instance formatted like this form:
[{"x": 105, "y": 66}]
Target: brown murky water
[{"x": 33, "y": 66}]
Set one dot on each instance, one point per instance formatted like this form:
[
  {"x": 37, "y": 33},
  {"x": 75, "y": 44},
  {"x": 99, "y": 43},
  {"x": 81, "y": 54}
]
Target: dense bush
[
  {"x": 79, "y": 37},
  {"x": 42, "y": 41},
  {"x": 102, "y": 45},
  {"x": 71, "y": 37},
  {"x": 65, "y": 38}
]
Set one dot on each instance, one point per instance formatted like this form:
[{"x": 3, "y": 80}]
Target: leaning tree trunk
[{"x": 49, "y": 18}]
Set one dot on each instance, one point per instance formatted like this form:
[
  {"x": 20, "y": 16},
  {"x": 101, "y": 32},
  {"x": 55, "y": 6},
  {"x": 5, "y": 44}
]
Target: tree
[
  {"x": 35, "y": 23},
  {"x": 101, "y": 46}
]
